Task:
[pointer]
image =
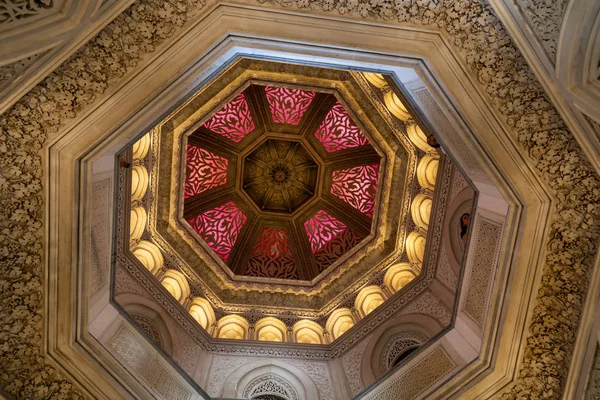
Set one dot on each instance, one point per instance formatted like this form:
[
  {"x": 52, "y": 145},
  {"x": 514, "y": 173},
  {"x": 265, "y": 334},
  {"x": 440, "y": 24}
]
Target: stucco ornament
[
  {"x": 24, "y": 131},
  {"x": 545, "y": 18},
  {"x": 476, "y": 34}
]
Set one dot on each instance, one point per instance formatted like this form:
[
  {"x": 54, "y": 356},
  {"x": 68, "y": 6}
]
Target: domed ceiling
[{"x": 269, "y": 186}]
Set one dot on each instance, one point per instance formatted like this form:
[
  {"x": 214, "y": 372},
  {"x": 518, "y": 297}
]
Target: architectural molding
[{"x": 533, "y": 123}]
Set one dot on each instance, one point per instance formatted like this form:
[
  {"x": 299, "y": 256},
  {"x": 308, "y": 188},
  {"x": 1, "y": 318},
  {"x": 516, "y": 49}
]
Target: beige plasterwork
[
  {"x": 39, "y": 42},
  {"x": 534, "y": 194}
]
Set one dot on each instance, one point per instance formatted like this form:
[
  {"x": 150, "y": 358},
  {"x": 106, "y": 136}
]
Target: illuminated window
[
  {"x": 339, "y": 322},
  {"x": 329, "y": 238},
  {"x": 233, "y": 121},
  {"x": 270, "y": 329},
  {"x": 306, "y": 331},
  {"x": 357, "y": 186},
  {"x": 204, "y": 171},
  {"x": 368, "y": 299},
  {"x": 176, "y": 284},
  {"x": 288, "y": 105},
  {"x": 139, "y": 182},
  {"x": 149, "y": 255},
  {"x": 338, "y": 131},
  {"x": 427, "y": 171},
  {"x": 220, "y": 227},
  {"x": 415, "y": 247},
  {"x": 137, "y": 223},
  {"x": 420, "y": 210},
  {"x": 201, "y": 310},
  {"x": 398, "y": 276},
  {"x": 232, "y": 327},
  {"x": 272, "y": 256}
]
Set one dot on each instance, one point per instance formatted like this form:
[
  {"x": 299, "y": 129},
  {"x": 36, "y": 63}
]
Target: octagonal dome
[{"x": 264, "y": 188}]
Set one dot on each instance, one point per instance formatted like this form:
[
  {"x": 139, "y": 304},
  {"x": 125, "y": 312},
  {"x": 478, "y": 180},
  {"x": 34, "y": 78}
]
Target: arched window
[
  {"x": 137, "y": 223},
  {"x": 415, "y": 247},
  {"x": 420, "y": 210},
  {"x": 232, "y": 327},
  {"x": 368, "y": 299},
  {"x": 398, "y": 276},
  {"x": 404, "y": 355},
  {"x": 139, "y": 182},
  {"x": 201, "y": 310},
  {"x": 270, "y": 329},
  {"x": 427, "y": 171},
  {"x": 176, "y": 284},
  {"x": 306, "y": 331},
  {"x": 149, "y": 255},
  {"x": 339, "y": 322}
]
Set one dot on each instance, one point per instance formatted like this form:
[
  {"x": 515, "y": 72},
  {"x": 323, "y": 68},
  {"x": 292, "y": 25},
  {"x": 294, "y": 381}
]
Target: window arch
[
  {"x": 176, "y": 284},
  {"x": 141, "y": 147},
  {"x": 375, "y": 79},
  {"x": 306, "y": 331},
  {"x": 201, "y": 310},
  {"x": 139, "y": 182},
  {"x": 398, "y": 276},
  {"x": 339, "y": 322},
  {"x": 420, "y": 210},
  {"x": 270, "y": 329},
  {"x": 232, "y": 327},
  {"x": 415, "y": 247},
  {"x": 270, "y": 386},
  {"x": 427, "y": 171},
  {"x": 394, "y": 104},
  {"x": 418, "y": 137},
  {"x": 368, "y": 299},
  {"x": 149, "y": 255},
  {"x": 137, "y": 223}
]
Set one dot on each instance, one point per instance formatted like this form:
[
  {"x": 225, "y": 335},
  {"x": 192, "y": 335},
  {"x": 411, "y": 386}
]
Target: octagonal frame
[
  {"x": 75, "y": 353},
  {"x": 308, "y": 148}
]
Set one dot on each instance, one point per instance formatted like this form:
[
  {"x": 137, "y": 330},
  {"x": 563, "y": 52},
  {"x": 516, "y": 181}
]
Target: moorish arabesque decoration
[
  {"x": 285, "y": 177},
  {"x": 534, "y": 122}
]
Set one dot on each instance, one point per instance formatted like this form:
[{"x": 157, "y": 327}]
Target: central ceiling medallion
[{"x": 279, "y": 176}]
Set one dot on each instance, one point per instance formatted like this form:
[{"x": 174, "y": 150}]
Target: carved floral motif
[{"x": 545, "y": 18}]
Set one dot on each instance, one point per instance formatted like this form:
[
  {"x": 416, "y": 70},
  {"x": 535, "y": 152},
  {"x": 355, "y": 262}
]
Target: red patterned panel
[
  {"x": 233, "y": 121},
  {"x": 220, "y": 227},
  {"x": 357, "y": 186},
  {"x": 329, "y": 238},
  {"x": 338, "y": 131},
  {"x": 272, "y": 256},
  {"x": 204, "y": 170},
  {"x": 336, "y": 248},
  {"x": 288, "y": 105},
  {"x": 322, "y": 228}
]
